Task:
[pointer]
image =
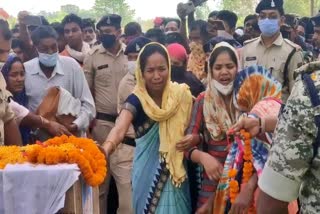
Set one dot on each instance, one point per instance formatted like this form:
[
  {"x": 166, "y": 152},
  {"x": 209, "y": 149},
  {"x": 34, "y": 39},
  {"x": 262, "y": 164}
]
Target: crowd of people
[{"x": 194, "y": 116}]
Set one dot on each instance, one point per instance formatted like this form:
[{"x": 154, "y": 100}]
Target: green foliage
[
  {"x": 120, "y": 7},
  {"x": 202, "y": 12},
  {"x": 70, "y": 8},
  {"x": 299, "y": 7}
]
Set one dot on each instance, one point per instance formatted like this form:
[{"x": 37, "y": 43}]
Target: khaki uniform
[
  {"x": 291, "y": 169},
  {"x": 123, "y": 156},
  {"x": 104, "y": 71},
  {"x": 6, "y": 114},
  {"x": 273, "y": 58}
]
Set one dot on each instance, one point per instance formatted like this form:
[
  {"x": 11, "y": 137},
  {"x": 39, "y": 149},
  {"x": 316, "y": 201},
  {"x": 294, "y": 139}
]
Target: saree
[{"x": 153, "y": 192}]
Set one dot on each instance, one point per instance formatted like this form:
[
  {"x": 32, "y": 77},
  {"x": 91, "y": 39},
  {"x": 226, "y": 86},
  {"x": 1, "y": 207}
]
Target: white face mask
[
  {"x": 132, "y": 67},
  {"x": 223, "y": 89}
]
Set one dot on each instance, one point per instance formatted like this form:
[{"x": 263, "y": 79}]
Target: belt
[
  {"x": 129, "y": 141},
  {"x": 106, "y": 117}
]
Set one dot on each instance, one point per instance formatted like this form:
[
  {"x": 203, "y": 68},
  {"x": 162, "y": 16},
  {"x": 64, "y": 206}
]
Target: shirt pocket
[
  {"x": 277, "y": 70},
  {"x": 103, "y": 76}
]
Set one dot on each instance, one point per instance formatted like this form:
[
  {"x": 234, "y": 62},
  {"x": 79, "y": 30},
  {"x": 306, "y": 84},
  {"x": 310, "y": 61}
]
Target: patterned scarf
[{"x": 216, "y": 116}]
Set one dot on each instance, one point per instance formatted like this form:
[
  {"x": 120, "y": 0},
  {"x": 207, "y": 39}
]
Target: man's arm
[
  {"x": 291, "y": 154},
  {"x": 89, "y": 72},
  {"x": 12, "y": 134},
  {"x": 82, "y": 92},
  {"x": 268, "y": 205},
  {"x": 296, "y": 62}
]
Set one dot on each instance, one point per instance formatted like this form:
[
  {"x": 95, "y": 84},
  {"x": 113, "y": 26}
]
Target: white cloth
[
  {"x": 20, "y": 111},
  {"x": 79, "y": 55},
  {"x": 30, "y": 189},
  {"x": 66, "y": 74},
  {"x": 68, "y": 105}
]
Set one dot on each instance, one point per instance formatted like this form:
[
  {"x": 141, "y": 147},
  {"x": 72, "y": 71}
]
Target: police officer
[
  {"x": 9, "y": 132},
  {"x": 293, "y": 166},
  {"x": 270, "y": 50},
  {"x": 104, "y": 67}
]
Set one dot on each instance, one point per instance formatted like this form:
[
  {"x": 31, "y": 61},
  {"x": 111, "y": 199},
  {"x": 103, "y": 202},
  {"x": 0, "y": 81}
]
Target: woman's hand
[
  {"x": 212, "y": 166},
  {"x": 251, "y": 125},
  {"x": 186, "y": 143},
  {"x": 243, "y": 201},
  {"x": 56, "y": 129}
]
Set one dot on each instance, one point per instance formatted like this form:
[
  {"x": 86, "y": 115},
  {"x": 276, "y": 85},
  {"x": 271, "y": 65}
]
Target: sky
[{"x": 154, "y": 7}]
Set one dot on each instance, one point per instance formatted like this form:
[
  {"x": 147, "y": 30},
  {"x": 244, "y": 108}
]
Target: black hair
[
  {"x": 88, "y": 23},
  {"x": 15, "y": 30},
  {"x": 229, "y": 17},
  {"x": 219, "y": 51},
  {"x": 148, "y": 51},
  {"x": 71, "y": 18},
  {"x": 157, "y": 34},
  {"x": 5, "y": 30},
  {"x": 17, "y": 43},
  {"x": 176, "y": 37},
  {"x": 57, "y": 27},
  {"x": 43, "y": 32},
  {"x": 132, "y": 28},
  {"x": 199, "y": 24},
  {"x": 213, "y": 14},
  {"x": 250, "y": 17}
]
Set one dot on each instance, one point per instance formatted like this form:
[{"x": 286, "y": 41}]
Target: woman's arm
[
  {"x": 246, "y": 197},
  {"x": 118, "y": 132}
]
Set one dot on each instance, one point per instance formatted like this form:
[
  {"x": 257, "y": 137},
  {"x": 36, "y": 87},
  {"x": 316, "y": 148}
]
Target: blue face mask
[
  {"x": 49, "y": 60},
  {"x": 269, "y": 27}
]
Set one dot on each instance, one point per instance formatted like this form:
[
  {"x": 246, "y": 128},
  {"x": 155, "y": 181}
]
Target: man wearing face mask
[
  {"x": 270, "y": 50},
  {"x": 104, "y": 67},
  {"x": 179, "y": 74},
  {"x": 49, "y": 70}
]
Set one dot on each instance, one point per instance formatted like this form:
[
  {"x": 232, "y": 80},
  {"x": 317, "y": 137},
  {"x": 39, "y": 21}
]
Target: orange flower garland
[
  {"x": 247, "y": 168},
  {"x": 81, "y": 151}
]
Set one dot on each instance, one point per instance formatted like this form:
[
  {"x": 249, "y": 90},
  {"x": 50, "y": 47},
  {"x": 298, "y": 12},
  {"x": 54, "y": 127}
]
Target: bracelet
[
  {"x": 260, "y": 127},
  {"x": 113, "y": 144},
  {"x": 190, "y": 152}
]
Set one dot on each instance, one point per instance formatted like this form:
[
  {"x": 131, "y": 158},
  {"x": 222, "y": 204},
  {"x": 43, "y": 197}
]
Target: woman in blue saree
[{"x": 159, "y": 111}]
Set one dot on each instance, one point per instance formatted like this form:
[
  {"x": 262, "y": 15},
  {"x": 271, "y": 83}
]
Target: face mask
[
  {"x": 177, "y": 71},
  {"x": 269, "y": 27},
  {"x": 303, "y": 38},
  {"x": 48, "y": 60},
  {"x": 132, "y": 67},
  {"x": 223, "y": 89},
  {"x": 108, "y": 40}
]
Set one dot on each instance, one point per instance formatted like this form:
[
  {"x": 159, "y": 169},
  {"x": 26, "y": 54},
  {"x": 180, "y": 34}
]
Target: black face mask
[
  {"x": 108, "y": 40},
  {"x": 177, "y": 72}
]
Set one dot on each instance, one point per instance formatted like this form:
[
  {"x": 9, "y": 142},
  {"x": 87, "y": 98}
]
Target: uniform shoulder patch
[
  {"x": 250, "y": 41},
  {"x": 94, "y": 49},
  {"x": 292, "y": 44}
]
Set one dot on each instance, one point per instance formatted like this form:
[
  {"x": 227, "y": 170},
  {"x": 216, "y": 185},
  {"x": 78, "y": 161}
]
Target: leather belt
[
  {"x": 129, "y": 141},
  {"x": 106, "y": 117}
]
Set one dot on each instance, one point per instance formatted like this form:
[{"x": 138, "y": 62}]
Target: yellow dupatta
[{"x": 173, "y": 118}]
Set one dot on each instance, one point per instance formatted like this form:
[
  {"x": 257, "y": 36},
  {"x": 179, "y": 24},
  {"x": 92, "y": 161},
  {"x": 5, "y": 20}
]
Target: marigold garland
[
  {"x": 81, "y": 151},
  {"x": 247, "y": 170}
]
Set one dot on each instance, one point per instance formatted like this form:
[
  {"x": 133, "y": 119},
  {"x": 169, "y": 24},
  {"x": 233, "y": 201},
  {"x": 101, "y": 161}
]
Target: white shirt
[
  {"x": 66, "y": 74},
  {"x": 20, "y": 111}
]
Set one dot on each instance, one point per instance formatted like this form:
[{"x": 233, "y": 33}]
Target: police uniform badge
[
  {"x": 108, "y": 20},
  {"x": 137, "y": 48}
]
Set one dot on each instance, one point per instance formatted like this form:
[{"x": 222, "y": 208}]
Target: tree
[
  {"x": 203, "y": 11},
  {"x": 241, "y": 7},
  {"x": 70, "y": 8},
  {"x": 120, "y": 7}
]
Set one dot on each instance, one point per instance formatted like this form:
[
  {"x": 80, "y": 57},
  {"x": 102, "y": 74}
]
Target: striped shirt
[{"x": 217, "y": 149}]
